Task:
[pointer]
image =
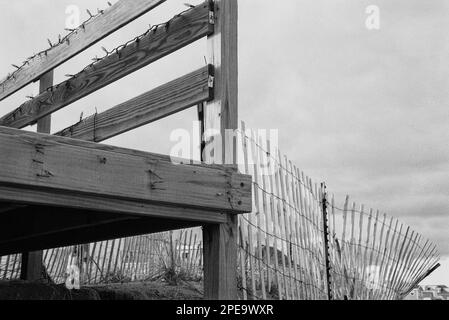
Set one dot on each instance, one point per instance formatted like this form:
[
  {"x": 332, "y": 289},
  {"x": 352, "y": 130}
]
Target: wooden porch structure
[{"x": 67, "y": 189}]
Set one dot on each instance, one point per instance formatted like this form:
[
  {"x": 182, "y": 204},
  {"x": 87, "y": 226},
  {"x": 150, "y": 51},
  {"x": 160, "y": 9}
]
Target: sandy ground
[{"x": 159, "y": 290}]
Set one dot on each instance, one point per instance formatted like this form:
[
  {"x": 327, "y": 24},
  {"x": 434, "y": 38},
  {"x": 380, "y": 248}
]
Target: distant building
[{"x": 439, "y": 292}]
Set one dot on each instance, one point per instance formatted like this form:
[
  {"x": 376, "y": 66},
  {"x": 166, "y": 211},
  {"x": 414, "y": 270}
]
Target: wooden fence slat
[
  {"x": 111, "y": 255},
  {"x": 308, "y": 276},
  {"x": 273, "y": 214},
  {"x": 291, "y": 223},
  {"x": 372, "y": 249},
  {"x": 296, "y": 236},
  {"x": 264, "y": 160},
  {"x": 415, "y": 258},
  {"x": 363, "y": 287},
  {"x": 258, "y": 213},
  {"x": 283, "y": 218},
  {"x": 308, "y": 191},
  {"x": 250, "y": 233},
  {"x": 400, "y": 282},
  {"x": 278, "y": 222},
  {"x": 398, "y": 263},
  {"x": 386, "y": 252},
  {"x": 391, "y": 254},
  {"x": 310, "y": 237},
  {"x": 395, "y": 260},
  {"x": 5, "y": 273},
  {"x": 117, "y": 256},
  {"x": 358, "y": 283}
]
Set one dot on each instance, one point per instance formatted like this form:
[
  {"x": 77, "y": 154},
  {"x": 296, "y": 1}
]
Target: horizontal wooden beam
[
  {"x": 94, "y": 233},
  {"x": 156, "y": 104},
  {"x": 65, "y": 172},
  {"x": 43, "y": 197},
  {"x": 177, "y": 33},
  {"x": 33, "y": 221},
  {"x": 6, "y": 207},
  {"x": 112, "y": 19}
]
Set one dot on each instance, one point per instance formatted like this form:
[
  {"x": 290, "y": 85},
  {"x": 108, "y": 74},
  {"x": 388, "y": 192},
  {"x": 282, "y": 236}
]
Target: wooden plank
[
  {"x": 300, "y": 235},
  {"x": 284, "y": 223},
  {"x": 112, "y": 19},
  {"x": 267, "y": 216},
  {"x": 373, "y": 252},
  {"x": 304, "y": 234},
  {"x": 359, "y": 262},
  {"x": 220, "y": 281},
  {"x": 48, "y": 220},
  {"x": 352, "y": 256},
  {"x": 249, "y": 250},
  {"x": 73, "y": 167},
  {"x": 31, "y": 267},
  {"x": 292, "y": 223},
  {"x": 91, "y": 262},
  {"x": 154, "y": 105},
  {"x": 363, "y": 288},
  {"x": 179, "y": 32},
  {"x": 220, "y": 241},
  {"x": 258, "y": 213},
  {"x": 109, "y": 231},
  {"x": 344, "y": 248},
  {"x": 277, "y": 222},
  {"x": 378, "y": 254}
]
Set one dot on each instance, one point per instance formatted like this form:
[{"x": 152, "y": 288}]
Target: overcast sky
[{"x": 364, "y": 110}]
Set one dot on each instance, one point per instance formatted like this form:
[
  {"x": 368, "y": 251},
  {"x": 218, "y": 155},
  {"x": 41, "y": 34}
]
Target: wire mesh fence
[
  {"x": 375, "y": 257},
  {"x": 297, "y": 244}
]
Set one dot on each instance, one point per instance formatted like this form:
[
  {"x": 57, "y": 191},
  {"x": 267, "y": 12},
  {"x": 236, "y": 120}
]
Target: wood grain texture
[
  {"x": 222, "y": 113},
  {"x": 156, "y": 104},
  {"x": 31, "y": 267},
  {"x": 220, "y": 260},
  {"x": 68, "y": 166},
  {"x": 179, "y": 32},
  {"x": 220, "y": 241},
  {"x": 112, "y": 19}
]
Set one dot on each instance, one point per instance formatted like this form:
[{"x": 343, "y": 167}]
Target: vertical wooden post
[
  {"x": 32, "y": 262},
  {"x": 220, "y": 241}
]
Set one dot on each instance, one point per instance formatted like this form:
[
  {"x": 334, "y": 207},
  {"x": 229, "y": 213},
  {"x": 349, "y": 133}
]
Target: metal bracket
[
  {"x": 211, "y": 81},
  {"x": 211, "y": 17}
]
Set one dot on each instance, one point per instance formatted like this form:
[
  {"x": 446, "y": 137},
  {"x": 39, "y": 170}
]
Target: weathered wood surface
[
  {"x": 179, "y": 32},
  {"x": 221, "y": 114},
  {"x": 220, "y": 260},
  {"x": 112, "y": 19},
  {"x": 31, "y": 267},
  {"x": 156, "y": 104},
  {"x": 73, "y": 167}
]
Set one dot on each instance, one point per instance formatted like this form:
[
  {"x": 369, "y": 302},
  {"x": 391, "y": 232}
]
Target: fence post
[
  {"x": 326, "y": 240},
  {"x": 220, "y": 115},
  {"x": 32, "y": 262}
]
